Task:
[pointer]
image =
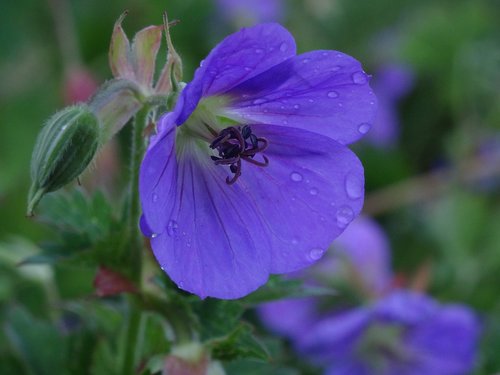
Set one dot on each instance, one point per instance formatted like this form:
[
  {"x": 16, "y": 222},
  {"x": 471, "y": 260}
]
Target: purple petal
[
  {"x": 325, "y": 92},
  {"x": 446, "y": 343},
  {"x": 205, "y": 237},
  {"x": 288, "y": 317},
  {"x": 222, "y": 241},
  {"x": 311, "y": 190},
  {"x": 336, "y": 336},
  {"x": 239, "y": 57},
  {"x": 405, "y": 307},
  {"x": 365, "y": 245}
]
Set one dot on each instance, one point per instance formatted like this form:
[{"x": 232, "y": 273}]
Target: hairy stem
[{"x": 134, "y": 245}]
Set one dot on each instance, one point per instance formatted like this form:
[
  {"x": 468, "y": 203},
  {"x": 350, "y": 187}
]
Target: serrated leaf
[
  {"x": 217, "y": 317},
  {"x": 240, "y": 343}
]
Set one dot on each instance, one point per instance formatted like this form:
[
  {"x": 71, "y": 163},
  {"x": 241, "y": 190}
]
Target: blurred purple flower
[
  {"x": 251, "y": 11},
  {"x": 258, "y": 178},
  {"x": 394, "y": 332},
  {"x": 390, "y": 83}
]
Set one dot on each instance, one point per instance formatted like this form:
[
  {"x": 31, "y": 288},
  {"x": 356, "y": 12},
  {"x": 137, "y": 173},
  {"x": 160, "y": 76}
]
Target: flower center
[{"x": 235, "y": 144}]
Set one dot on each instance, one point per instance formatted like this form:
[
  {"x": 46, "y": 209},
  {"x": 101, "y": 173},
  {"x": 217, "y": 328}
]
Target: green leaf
[
  {"x": 280, "y": 288},
  {"x": 37, "y": 343},
  {"x": 240, "y": 343}
]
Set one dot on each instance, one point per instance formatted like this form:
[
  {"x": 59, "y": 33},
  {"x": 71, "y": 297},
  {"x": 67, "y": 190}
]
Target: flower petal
[
  {"x": 239, "y": 57},
  {"x": 311, "y": 190},
  {"x": 205, "y": 234},
  {"x": 446, "y": 343},
  {"x": 325, "y": 92}
]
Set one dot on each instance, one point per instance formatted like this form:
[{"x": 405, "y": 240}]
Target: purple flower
[
  {"x": 250, "y": 174},
  {"x": 392, "y": 83},
  {"x": 398, "y": 332},
  {"x": 404, "y": 333},
  {"x": 251, "y": 11}
]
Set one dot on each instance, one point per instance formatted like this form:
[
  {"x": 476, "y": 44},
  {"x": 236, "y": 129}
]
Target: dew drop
[
  {"x": 325, "y": 54},
  {"x": 155, "y": 197},
  {"x": 313, "y": 191},
  {"x": 353, "y": 186},
  {"x": 247, "y": 68},
  {"x": 282, "y": 107},
  {"x": 295, "y": 241},
  {"x": 305, "y": 61},
  {"x": 283, "y": 47},
  {"x": 296, "y": 177},
  {"x": 316, "y": 254},
  {"x": 181, "y": 284},
  {"x": 333, "y": 94},
  {"x": 364, "y": 128},
  {"x": 259, "y": 50},
  {"x": 153, "y": 235},
  {"x": 285, "y": 122},
  {"x": 172, "y": 228},
  {"x": 296, "y": 106},
  {"x": 344, "y": 216},
  {"x": 310, "y": 100},
  {"x": 202, "y": 62},
  {"x": 258, "y": 101},
  {"x": 359, "y": 78}
]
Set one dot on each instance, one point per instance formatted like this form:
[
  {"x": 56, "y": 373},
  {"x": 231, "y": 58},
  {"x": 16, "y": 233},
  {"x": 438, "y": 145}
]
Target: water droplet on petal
[
  {"x": 283, "y": 47},
  {"x": 310, "y": 100},
  {"x": 259, "y": 50},
  {"x": 316, "y": 254},
  {"x": 153, "y": 235},
  {"x": 295, "y": 241},
  {"x": 364, "y": 128},
  {"x": 313, "y": 191},
  {"x": 305, "y": 61},
  {"x": 359, "y": 78},
  {"x": 155, "y": 197},
  {"x": 354, "y": 186},
  {"x": 172, "y": 228},
  {"x": 333, "y": 94},
  {"x": 247, "y": 68},
  {"x": 345, "y": 215},
  {"x": 258, "y": 101},
  {"x": 285, "y": 122},
  {"x": 181, "y": 284},
  {"x": 296, "y": 106},
  {"x": 325, "y": 54},
  {"x": 202, "y": 62},
  {"x": 296, "y": 177}
]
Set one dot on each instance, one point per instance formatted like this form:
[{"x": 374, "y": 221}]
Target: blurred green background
[{"x": 435, "y": 190}]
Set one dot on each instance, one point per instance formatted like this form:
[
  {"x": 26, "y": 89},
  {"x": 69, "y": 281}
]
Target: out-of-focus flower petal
[
  {"x": 446, "y": 343},
  {"x": 325, "y": 92},
  {"x": 405, "y": 307},
  {"x": 365, "y": 246},
  {"x": 336, "y": 336},
  {"x": 288, "y": 317}
]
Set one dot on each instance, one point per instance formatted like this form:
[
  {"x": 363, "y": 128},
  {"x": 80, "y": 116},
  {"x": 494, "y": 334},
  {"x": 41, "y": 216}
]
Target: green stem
[
  {"x": 138, "y": 148},
  {"x": 131, "y": 334},
  {"x": 134, "y": 246}
]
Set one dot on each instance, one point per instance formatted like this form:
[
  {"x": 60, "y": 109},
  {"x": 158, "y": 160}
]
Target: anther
[{"x": 235, "y": 144}]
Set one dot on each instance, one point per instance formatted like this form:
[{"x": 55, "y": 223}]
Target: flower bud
[{"x": 64, "y": 148}]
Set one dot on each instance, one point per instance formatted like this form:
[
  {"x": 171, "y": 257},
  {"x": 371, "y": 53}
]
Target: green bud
[{"x": 64, "y": 148}]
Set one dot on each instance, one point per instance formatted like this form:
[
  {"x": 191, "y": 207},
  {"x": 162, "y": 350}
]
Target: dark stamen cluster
[{"x": 235, "y": 144}]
